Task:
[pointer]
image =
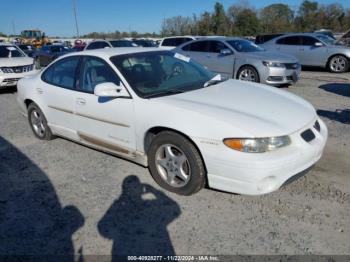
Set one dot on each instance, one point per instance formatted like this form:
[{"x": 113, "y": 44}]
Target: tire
[
  {"x": 181, "y": 170},
  {"x": 338, "y": 64},
  {"x": 248, "y": 73},
  {"x": 38, "y": 123}
]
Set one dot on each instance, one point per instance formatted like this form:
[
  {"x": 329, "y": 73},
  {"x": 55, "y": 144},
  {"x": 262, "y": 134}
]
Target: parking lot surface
[{"x": 59, "y": 196}]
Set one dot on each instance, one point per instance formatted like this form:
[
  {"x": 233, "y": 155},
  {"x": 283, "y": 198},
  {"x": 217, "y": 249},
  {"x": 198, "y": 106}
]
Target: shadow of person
[
  {"x": 32, "y": 220},
  {"x": 342, "y": 89},
  {"x": 137, "y": 221},
  {"x": 342, "y": 116}
]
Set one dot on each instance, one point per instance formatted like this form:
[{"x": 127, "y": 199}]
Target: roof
[{"x": 113, "y": 51}]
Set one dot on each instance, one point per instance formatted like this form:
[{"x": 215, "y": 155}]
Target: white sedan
[{"x": 165, "y": 111}]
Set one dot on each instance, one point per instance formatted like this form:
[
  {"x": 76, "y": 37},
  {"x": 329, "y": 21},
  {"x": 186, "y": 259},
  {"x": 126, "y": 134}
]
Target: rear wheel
[
  {"x": 175, "y": 163},
  {"x": 38, "y": 123},
  {"x": 248, "y": 73},
  {"x": 338, "y": 64}
]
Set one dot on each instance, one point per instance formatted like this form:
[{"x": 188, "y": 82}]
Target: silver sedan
[
  {"x": 241, "y": 59},
  {"x": 313, "y": 50}
]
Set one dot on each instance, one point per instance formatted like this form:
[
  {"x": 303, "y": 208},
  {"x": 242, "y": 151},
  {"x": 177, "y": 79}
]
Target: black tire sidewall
[
  {"x": 48, "y": 133},
  {"x": 198, "y": 173}
]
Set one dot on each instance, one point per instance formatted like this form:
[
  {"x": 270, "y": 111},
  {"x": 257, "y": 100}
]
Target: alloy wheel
[
  {"x": 247, "y": 74},
  {"x": 338, "y": 64},
  {"x": 173, "y": 165},
  {"x": 37, "y": 121}
]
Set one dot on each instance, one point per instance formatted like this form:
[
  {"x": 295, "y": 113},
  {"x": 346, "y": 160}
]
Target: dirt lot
[{"x": 61, "y": 197}]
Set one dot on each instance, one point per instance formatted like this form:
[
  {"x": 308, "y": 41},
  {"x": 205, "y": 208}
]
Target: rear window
[
  {"x": 176, "y": 41},
  {"x": 260, "y": 39}
]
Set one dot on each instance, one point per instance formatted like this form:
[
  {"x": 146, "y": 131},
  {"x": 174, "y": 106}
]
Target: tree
[
  {"x": 276, "y": 18},
  {"x": 219, "y": 20}
]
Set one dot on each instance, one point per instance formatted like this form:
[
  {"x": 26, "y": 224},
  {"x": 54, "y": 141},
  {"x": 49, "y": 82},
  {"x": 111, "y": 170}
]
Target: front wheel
[
  {"x": 248, "y": 73},
  {"x": 175, "y": 164},
  {"x": 338, "y": 64}
]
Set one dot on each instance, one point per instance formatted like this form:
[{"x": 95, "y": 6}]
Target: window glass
[
  {"x": 308, "y": 40},
  {"x": 161, "y": 72},
  {"x": 62, "y": 73},
  {"x": 95, "y": 71},
  {"x": 168, "y": 42},
  {"x": 10, "y": 51},
  {"x": 242, "y": 45},
  {"x": 93, "y": 45},
  {"x": 121, "y": 43},
  {"x": 200, "y": 46},
  {"x": 289, "y": 40},
  {"x": 103, "y": 44},
  {"x": 216, "y": 46}
]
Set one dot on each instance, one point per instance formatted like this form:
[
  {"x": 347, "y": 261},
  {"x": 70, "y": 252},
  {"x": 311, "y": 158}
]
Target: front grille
[
  {"x": 308, "y": 135},
  {"x": 291, "y": 65},
  {"x": 10, "y": 80},
  {"x": 17, "y": 69},
  {"x": 317, "y": 126}
]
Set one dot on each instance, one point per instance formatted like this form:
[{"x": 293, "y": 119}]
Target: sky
[{"x": 55, "y": 17}]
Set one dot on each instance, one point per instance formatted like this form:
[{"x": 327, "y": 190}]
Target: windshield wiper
[
  {"x": 164, "y": 93},
  {"x": 215, "y": 80}
]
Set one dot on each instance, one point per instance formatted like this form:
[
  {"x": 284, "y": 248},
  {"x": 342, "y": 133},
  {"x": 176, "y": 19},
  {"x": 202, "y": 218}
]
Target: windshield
[
  {"x": 326, "y": 39},
  {"x": 161, "y": 73},
  {"x": 10, "y": 51},
  {"x": 244, "y": 46},
  {"x": 121, "y": 43}
]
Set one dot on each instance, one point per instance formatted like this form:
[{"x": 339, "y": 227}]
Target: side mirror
[
  {"x": 225, "y": 52},
  {"x": 109, "y": 89},
  {"x": 318, "y": 44}
]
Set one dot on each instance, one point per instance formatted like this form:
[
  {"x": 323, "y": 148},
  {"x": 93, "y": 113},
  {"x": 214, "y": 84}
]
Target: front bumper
[
  {"x": 261, "y": 173},
  {"x": 280, "y": 76},
  {"x": 11, "y": 79}
]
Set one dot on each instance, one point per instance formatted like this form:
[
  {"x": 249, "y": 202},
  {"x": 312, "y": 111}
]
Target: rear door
[
  {"x": 289, "y": 45},
  {"x": 105, "y": 122},
  {"x": 58, "y": 90},
  {"x": 197, "y": 51}
]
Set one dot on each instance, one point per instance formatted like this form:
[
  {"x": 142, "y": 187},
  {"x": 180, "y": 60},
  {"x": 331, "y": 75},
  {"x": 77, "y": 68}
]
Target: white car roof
[{"x": 109, "y": 52}]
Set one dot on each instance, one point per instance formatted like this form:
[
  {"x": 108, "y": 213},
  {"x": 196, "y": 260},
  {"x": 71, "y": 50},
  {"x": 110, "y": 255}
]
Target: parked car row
[
  {"x": 274, "y": 59},
  {"x": 167, "y": 112}
]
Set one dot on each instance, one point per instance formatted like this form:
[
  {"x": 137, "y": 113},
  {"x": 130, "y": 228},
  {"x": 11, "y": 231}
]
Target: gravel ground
[{"x": 61, "y": 197}]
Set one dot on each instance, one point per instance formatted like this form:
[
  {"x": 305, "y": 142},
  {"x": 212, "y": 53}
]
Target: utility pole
[
  {"x": 75, "y": 16},
  {"x": 13, "y": 27}
]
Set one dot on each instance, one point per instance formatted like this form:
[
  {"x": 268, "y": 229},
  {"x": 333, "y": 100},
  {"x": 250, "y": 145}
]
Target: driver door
[{"x": 102, "y": 121}]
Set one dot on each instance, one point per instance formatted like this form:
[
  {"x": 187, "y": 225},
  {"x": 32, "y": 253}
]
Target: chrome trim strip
[
  {"x": 62, "y": 109},
  {"x": 88, "y": 116},
  {"x": 102, "y": 120}
]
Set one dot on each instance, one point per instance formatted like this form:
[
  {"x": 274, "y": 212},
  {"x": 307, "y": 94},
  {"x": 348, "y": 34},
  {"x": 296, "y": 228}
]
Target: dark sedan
[{"x": 48, "y": 53}]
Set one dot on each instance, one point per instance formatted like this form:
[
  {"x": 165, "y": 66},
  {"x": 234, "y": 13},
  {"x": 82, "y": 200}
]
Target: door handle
[
  {"x": 39, "y": 90},
  {"x": 301, "y": 49},
  {"x": 81, "y": 101}
]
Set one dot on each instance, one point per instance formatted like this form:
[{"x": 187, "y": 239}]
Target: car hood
[
  {"x": 257, "y": 110},
  {"x": 15, "y": 61},
  {"x": 271, "y": 56}
]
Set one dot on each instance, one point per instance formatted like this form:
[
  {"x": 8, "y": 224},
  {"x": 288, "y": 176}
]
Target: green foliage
[{"x": 242, "y": 20}]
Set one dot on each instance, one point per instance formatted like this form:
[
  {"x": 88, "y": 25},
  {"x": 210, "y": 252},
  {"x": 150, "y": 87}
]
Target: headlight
[
  {"x": 257, "y": 145},
  {"x": 273, "y": 64}
]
